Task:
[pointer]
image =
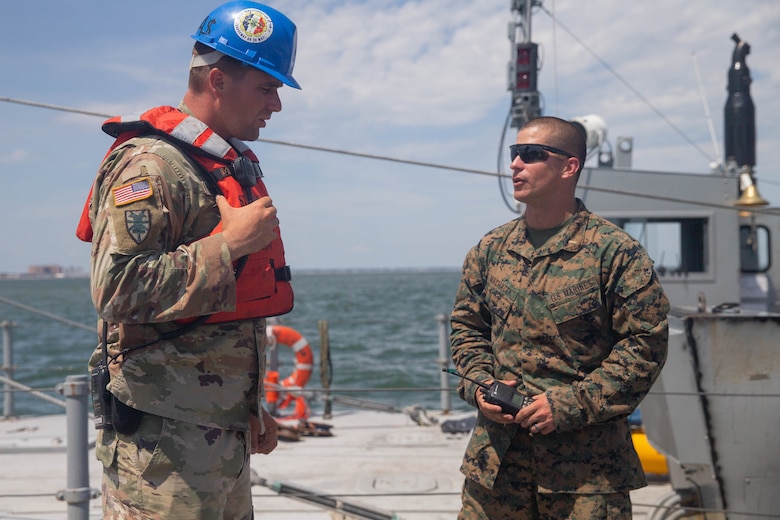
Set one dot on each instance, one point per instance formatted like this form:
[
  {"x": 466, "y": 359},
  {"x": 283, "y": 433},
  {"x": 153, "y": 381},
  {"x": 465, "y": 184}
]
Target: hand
[
  {"x": 537, "y": 416},
  {"x": 493, "y": 411},
  {"x": 265, "y": 442},
  {"x": 249, "y": 228}
]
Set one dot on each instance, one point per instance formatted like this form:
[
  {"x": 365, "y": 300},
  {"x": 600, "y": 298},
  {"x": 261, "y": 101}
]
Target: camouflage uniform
[
  {"x": 583, "y": 319},
  {"x": 154, "y": 262}
]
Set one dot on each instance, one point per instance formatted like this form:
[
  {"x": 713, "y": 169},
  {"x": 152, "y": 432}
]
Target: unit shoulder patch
[
  {"x": 138, "y": 224},
  {"x": 139, "y": 189}
]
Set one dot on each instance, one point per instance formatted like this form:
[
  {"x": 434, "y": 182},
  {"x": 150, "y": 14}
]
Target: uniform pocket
[
  {"x": 499, "y": 297},
  {"x": 575, "y": 301},
  {"x": 580, "y": 320},
  {"x": 105, "y": 447},
  {"x": 153, "y": 461}
]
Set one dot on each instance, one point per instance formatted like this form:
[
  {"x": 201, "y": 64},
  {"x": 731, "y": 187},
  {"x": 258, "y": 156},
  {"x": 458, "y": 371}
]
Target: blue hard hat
[{"x": 254, "y": 34}]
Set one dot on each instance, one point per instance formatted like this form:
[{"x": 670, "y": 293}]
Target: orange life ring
[{"x": 304, "y": 362}]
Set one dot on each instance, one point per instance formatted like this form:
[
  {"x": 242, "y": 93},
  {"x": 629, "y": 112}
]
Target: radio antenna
[{"x": 718, "y": 165}]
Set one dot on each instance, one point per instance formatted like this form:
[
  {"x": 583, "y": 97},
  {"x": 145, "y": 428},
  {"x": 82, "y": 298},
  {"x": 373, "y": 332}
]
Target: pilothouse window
[
  {"x": 754, "y": 249},
  {"x": 677, "y": 246}
]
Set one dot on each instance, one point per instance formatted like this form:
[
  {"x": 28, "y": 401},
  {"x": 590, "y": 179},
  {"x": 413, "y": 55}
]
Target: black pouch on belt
[{"x": 126, "y": 419}]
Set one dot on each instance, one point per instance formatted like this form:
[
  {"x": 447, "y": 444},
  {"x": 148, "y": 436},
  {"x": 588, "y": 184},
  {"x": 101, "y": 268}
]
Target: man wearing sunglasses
[{"x": 565, "y": 307}]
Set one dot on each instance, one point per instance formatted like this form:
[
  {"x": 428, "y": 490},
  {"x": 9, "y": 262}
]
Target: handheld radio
[{"x": 505, "y": 396}]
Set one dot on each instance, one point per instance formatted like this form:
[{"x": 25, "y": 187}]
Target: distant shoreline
[
  {"x": 352, "y": 270},
  {"x": 346, "y": 270},
  {"x": 30, "y": 276}
]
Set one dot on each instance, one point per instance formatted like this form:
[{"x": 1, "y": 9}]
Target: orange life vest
[{"x": 263, "y": 279}]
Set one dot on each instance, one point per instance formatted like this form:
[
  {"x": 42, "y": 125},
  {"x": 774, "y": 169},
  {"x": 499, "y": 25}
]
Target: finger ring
[{"x": 535, "y": 426}]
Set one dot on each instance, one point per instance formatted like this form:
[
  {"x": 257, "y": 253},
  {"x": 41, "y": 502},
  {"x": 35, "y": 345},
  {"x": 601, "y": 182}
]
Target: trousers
[{"x": 173, "y": 470}]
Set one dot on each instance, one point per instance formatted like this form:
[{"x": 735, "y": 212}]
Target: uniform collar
[{"x": 570, "y": 238}]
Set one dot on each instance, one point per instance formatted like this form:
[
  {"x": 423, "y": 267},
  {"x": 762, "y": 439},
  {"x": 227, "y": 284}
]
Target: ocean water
[{"x": 382, "y": 330}]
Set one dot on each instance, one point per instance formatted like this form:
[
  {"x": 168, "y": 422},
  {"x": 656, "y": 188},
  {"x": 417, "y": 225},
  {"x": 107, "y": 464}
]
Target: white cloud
[
  {"x": 423, "y": 63},
  {"x": 15, "y": 156}
]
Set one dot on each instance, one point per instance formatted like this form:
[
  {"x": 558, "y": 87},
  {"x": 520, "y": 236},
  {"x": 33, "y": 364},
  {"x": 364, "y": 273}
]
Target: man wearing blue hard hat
[{"x": 187, "y": 262}]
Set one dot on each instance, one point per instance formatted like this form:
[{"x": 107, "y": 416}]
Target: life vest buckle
[
  {"x": 283, "y": 274},
  {"x": 246, "y": 172}
]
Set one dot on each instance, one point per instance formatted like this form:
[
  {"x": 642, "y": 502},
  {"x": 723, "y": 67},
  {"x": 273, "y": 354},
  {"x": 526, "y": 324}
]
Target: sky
[{"x": 422, "y": 80}]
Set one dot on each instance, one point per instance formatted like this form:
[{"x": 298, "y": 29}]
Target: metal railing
[{"x": 77, "y": 492}]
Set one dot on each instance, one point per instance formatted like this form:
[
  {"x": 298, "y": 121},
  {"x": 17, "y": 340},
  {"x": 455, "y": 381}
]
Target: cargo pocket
[
  {"x": 105, "y": 447},
  {"x": 153, "y": 461}
]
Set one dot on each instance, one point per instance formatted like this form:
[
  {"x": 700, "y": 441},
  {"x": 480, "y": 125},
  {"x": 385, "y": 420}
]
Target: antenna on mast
[
  {"x": 523, "y": 71},
  {"x": 524, "y": 65},
  {"x": 716, "y": 166}
]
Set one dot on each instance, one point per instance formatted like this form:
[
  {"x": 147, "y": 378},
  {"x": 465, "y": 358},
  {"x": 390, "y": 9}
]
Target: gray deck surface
[{"x": 383, "y": 465}]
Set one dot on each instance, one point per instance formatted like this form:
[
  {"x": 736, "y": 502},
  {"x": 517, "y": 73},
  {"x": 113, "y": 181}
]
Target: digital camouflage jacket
[{"x": 583, "y": 319}]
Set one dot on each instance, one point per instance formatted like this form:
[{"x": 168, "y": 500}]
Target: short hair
[
  {"x": 230, "y": 66},
  {"x": 564, "y": 135}
]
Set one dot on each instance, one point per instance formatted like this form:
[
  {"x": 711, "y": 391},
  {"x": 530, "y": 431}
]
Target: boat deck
[{"x": 375, "y": 465}]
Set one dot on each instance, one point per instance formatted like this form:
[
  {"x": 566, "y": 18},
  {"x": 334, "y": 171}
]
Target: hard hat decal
[
  {"x": 253, "y": 25},
  {"x": 205, "y": 27}
]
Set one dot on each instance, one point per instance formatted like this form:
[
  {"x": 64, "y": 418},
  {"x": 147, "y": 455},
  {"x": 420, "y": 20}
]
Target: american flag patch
[{"x": 136, "y": 190}]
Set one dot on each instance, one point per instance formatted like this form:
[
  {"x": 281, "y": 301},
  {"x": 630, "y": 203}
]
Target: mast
[
  {"x": 526, "y": 100},
  {"x": 524, "y": 65},
  {"x": 740, "y": 126},
  {"x": 740, "y": 121}
]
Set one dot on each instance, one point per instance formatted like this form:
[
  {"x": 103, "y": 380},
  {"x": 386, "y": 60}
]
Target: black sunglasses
[{"x": 533, "y": 153}]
